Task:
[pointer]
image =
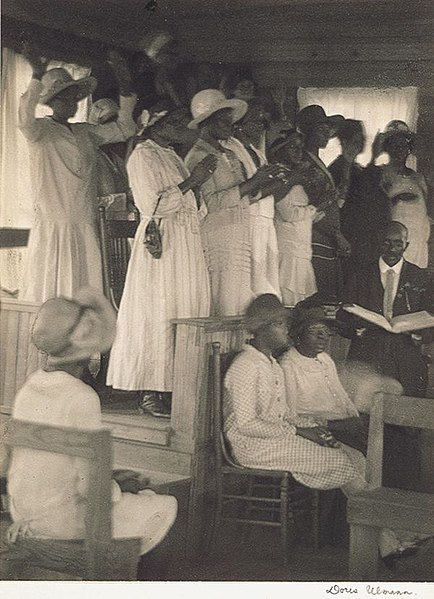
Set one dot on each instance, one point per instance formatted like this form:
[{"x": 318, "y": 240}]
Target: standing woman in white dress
[
  {"x": 407, "y": 191},
  {"x": 159, "y": 289},
  {"x": 63, "y": 251},
  {"x": 249, "y": 133},
  {"x": 294, "y": 218}
]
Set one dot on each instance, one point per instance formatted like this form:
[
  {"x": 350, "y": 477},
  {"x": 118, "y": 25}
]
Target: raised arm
[
  {"x": 30, "y": 126},
  {"x": 124, "y": 127}
]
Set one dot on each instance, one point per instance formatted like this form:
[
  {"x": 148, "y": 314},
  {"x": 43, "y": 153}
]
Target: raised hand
[
  {"x": 377, "y": 146},
  {"x": 203, "y": 170},
  {"x": 38, "y": 64},
  {"x": 120, "y": 69}
]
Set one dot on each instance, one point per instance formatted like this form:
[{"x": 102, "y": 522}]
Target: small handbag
[{"x": 153, "y": 239}]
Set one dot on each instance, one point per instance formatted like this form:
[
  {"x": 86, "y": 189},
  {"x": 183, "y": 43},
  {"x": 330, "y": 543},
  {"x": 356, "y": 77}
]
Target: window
[{"x": 375, "y": 107}]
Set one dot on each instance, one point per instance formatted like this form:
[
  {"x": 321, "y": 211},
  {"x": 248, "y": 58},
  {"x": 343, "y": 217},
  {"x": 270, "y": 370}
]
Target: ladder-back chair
[
  {"x": 98, "y": 556},
  {"x": 290, "y": 497},
  {"x": 379, "y": 507},
  {"x": 115, "y": 253}
]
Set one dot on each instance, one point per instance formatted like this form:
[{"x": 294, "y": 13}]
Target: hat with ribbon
[
  {"x": 102, "y": 111},
  {"x": 72, "y": 330},
  {"x": 315, "y": 115},
  {"x": 56, "y": 80},
  {"x": 208, "y": 101},
  {"x": 264, "y": 310}
]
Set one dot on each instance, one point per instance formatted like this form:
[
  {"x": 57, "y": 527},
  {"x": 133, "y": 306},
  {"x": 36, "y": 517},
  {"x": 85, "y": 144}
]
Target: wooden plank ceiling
[{"x": 236, "y": 24}]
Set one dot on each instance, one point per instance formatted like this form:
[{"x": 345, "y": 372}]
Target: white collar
[{"x": 385, "y": 267}]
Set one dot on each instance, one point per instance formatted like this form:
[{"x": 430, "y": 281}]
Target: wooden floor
[{"x": 256, "y": 557}]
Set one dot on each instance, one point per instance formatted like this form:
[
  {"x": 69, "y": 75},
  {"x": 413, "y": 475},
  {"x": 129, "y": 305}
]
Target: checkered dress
[{"x": 260, "y": 426}]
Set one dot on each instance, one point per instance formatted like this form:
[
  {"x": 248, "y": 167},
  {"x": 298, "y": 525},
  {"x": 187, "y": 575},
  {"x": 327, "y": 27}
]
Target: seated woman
[
  {"x": 46, "y": 489},
  {"x": 312, "y": 382},
  {"x": 262, "y": 427}
]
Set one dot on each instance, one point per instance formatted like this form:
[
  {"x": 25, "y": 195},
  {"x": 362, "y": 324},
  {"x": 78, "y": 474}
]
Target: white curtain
[
  {"x": 15, "y": 185},
  {"x": 375, "y": 107}
]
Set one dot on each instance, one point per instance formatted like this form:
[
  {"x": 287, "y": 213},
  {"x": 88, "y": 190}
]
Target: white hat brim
[
  {"x": 239, "y": 108},
  {"x": 86, "y": 86}
]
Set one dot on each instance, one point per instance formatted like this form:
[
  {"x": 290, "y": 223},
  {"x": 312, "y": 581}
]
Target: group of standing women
[{"x": 230, "y": 225}]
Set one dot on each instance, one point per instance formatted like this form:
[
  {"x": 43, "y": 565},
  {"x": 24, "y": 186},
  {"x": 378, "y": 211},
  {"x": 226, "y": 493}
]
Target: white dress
[
  {"x": 63, "y": 251},
  {"x": 313, "y": 386},
  {"x": 412, "y": 214},
  {"x": 46, "y": 489},
  {"x": 265, "y": 257},
  {"x": 225, "y": 230},
  {"x": 293, "y": 220},
  {"x": 158, "y": 290}
]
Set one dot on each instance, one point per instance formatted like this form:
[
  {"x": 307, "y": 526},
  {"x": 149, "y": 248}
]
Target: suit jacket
[{"x": 415, "y": 292}]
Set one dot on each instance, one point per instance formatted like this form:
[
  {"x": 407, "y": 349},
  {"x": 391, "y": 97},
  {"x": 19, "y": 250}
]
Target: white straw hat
[
  {"x": 102, "y": 110},
  {"x": 208, "y": 101},
  {"x": 56, "y": 80}
]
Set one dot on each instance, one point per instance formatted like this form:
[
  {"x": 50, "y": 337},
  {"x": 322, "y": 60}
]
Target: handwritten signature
[{"x": 370, "y": 590}]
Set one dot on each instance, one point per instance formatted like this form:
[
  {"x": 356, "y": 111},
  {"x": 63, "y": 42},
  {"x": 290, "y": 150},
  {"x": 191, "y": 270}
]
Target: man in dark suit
[{"x": 392, "y": 286}]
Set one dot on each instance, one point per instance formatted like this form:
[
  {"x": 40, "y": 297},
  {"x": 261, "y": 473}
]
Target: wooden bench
[
  {"x": 97, "y": 556},
  {"x": 381, "y": 507}
]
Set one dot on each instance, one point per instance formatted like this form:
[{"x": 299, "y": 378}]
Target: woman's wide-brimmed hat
[
  {"x": 208, "y": 101},
  {"x": 103, "y": 110},
  {"x": 72, "y": 330},
  {"x": 56, "y": 80},
  {"x": 315, "y": 115},
  {"x": 264, "y": 310}
]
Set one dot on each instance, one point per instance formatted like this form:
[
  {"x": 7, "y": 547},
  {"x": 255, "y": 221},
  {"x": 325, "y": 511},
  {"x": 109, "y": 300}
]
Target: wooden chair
[
  {"x": 291, "y": 496},
  {"x": 115, "y": 253},
  {"x": 98, "y": 556},
  {"x": 379, "y": 507}
]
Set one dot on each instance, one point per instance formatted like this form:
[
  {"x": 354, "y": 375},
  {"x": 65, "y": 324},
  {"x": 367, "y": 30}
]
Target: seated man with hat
[{"x": 47, "y": 489}]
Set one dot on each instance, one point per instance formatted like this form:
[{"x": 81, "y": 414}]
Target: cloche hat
[
  {"x": 208, "y": 101},
  {"x": 315, "y": 115},
  {"x": 56, "y": 80},
  {"x": 264, "y": 310},
  {"x": 72, "y": 330}
]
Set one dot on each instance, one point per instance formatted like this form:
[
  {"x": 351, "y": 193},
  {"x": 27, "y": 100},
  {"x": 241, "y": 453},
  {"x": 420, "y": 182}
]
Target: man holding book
[{"x": 393, "y": 287}]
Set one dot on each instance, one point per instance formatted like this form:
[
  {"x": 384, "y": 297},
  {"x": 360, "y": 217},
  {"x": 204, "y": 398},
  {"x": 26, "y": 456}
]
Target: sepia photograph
[{"x": 217, "y": 297}]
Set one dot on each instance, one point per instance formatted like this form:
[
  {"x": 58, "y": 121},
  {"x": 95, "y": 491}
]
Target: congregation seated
[{"x": 264, "y": 430}]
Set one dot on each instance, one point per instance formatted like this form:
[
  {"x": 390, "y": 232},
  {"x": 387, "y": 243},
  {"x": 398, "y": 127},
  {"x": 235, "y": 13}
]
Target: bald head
[
  {"x": 396, "y": 227},
  {"x": 394, "y": 242}
]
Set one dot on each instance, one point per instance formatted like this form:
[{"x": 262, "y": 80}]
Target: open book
[{"x": 399, "y": 324}]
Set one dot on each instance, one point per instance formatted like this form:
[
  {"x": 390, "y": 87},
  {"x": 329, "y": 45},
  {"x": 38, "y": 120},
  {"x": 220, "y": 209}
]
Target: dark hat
[
  {"x": 302, "y": 318},
  {"x": 315, "y": 115},
  {"x": 264, "y": 310}
]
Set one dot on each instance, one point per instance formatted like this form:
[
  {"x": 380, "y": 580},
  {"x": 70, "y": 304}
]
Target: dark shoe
[
  {"x": 391, "y": 559},
  {"x": 151, "y": 403}
]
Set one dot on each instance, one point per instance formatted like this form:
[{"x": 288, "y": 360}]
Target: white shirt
[{"x": 384, "y": 268}]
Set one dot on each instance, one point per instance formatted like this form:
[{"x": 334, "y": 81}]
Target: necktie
[{"x": 388, "y": 294}]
